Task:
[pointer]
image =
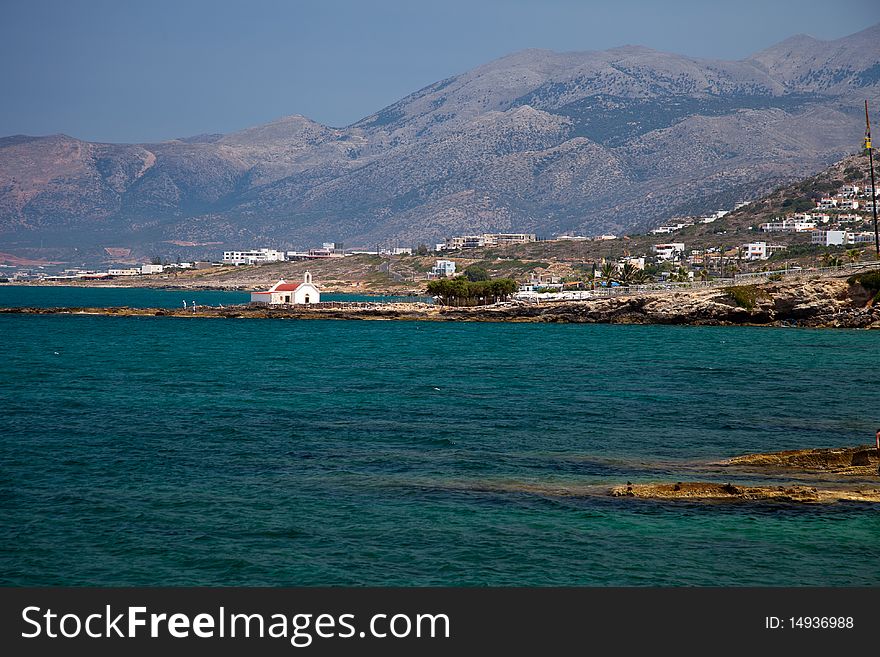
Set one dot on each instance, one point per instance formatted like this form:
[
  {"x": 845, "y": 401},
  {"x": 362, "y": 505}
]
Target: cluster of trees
[
  {"x": 460, "y": 291},
  {"x": 628, "y": 274}
]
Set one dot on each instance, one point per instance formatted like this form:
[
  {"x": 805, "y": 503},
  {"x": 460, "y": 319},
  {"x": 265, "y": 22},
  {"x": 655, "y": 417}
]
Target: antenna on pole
[{"x": 873, "y": 187}]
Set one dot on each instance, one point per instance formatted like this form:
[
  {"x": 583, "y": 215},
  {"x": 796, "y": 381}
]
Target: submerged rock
[{"x": 704, "y": 491}]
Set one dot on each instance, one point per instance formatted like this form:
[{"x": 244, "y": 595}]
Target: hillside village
[{"x": 825, "y": 220}]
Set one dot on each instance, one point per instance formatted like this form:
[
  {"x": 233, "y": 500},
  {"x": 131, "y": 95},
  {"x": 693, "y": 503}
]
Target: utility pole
[{"x": 873, "y": 187}]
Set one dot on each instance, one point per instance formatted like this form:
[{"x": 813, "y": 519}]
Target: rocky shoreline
[{"x": 820, "y": 303}]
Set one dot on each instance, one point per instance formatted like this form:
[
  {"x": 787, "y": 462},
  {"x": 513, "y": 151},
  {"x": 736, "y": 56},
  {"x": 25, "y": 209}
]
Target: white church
[{"x": 289, "y": 293}]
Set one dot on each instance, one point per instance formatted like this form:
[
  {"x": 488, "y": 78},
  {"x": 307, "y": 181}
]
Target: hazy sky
[{"x": 121, "y": 70}]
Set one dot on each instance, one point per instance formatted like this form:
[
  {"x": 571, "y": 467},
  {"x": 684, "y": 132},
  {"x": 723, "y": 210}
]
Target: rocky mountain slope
[{"x": 536, "y": 141}]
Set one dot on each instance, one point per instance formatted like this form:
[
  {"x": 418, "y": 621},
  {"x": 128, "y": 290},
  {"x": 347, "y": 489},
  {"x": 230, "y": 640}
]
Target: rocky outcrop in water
[
  {"x": 714, "y": 492},
  {"x": 859, "y": 461}
]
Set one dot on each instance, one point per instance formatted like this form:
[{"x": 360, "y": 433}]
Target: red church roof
[
  {"x": 282, "y": 286},
  {"x": 286, "y": 287}
]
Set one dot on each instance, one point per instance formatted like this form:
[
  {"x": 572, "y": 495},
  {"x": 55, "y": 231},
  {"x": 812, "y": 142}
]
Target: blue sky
[{"x": 120, "y": 70}]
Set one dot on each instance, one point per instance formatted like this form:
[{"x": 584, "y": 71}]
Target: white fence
[{"x": 841, "y": 270}]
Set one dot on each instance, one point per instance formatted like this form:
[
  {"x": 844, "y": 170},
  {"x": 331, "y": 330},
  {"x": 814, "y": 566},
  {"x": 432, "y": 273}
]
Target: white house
[
  {"x": 131, "y": 271},
  {"x": 829, "y": 237},
  {"x": 866, "y": 237},
  {"x": 760, "y": 250},
  {"x": 638, "y": 263},
  {"x": 151, "y": 269},
  {"x": 252, "y": 257},
  {"x": 443, "y": 268},
  {"x": 660, "y": 230},
  {"x": 669, "y": 251},
  {"x": 289, "y": 293},
  {"x": 788, "y": 226}
]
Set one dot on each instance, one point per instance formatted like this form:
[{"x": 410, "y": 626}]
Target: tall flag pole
[{"x": 873, "y": 188}]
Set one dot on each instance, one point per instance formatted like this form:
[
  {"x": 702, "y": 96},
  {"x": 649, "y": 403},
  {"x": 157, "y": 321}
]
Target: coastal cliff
[{"x": 816, "y": 303}]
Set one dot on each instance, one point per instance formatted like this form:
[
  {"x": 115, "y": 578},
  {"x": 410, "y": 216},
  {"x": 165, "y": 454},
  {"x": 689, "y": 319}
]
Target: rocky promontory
[{"x": 821, "y": 302}]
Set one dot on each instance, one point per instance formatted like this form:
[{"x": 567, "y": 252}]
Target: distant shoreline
[
  {"x": 815, "y": 304},
  {"x": 126, "y": 285}
]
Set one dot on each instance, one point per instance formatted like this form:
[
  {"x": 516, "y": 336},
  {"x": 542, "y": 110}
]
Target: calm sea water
[
  {"x": 171, "y": 451},
  {"x": 52, "y": 296}
]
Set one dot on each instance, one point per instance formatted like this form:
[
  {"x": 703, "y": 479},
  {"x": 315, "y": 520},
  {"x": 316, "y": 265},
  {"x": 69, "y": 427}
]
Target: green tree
[
  {"x": 680, "y": 276},
  {"x": 628, "y": 273},
  {"x": 475, "y": 273},
  {"x": 608, "y": 274},
  {"x": 459, "y": 291},
  {"x": 831, "y": 260},
  {"x": 422, "y": 250},
  {"x": 853, "y": 255}
]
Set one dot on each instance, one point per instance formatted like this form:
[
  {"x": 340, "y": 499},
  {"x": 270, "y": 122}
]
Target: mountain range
[{"x": 537, "y": 141}]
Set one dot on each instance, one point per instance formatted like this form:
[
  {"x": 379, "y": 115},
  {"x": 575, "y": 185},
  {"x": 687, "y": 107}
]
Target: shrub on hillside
[{"x": 745, "y": 296}]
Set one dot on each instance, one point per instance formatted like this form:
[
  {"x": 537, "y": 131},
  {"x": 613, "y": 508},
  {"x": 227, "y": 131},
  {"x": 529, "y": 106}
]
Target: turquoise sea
[
  {"x": 53, "y": 296},
  {"x": 173, "y": 451}
]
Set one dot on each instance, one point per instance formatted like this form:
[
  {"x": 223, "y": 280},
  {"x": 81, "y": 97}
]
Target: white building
[
  {"x": 638, "y": 263},
  {"x": 252, "y": 257},
  {"x": 151, "y": 269},
  {"x": 760, "y": 250},
  {"x": 283, "y": 293},
  {"x": 718, "y": 214},
  {"x": 466, "y": 242},
  {"x": 859, "y": 238},
  {"x": 500, "y": 239},
  {"x": 671, "y": 228},
  {"x": 488, "y": 239},
  {"x": 669, "y": 251},
  {"x": 135, "y": 271},
  {"x": 540, "y": 279},
  {"x": 788, "y": 226},
  {"x": 324, "y": 253},
  {"x": 443, "y": 268},
  {"x": 828, "y": 237}
]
